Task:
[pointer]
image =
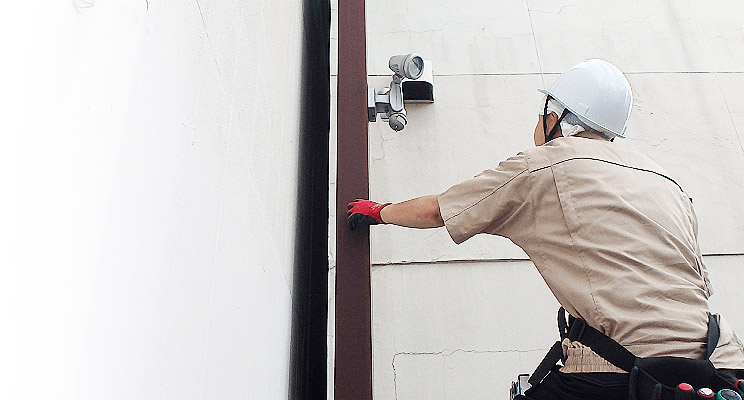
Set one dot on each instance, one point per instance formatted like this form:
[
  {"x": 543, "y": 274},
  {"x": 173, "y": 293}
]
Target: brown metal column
[{"x": 353, "y": 375}]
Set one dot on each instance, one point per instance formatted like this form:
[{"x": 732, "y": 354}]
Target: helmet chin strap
[{"x": 550, "y": 136}]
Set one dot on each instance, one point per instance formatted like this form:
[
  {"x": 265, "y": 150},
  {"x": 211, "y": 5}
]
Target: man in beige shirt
[{"x": 612, "y": 234}]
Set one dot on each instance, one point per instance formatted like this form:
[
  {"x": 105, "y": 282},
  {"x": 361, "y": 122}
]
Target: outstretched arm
[{"x": 421, "y": 212}]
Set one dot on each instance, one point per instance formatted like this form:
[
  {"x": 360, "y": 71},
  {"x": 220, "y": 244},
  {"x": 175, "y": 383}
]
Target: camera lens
[{"x": 417, "y": 67}]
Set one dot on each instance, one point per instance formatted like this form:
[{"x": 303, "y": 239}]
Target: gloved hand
[{"x": 364, "y": 212}]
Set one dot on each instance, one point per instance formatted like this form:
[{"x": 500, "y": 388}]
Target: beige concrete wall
[
  {"x": 460, "y": 322},
  {"x": 149, "y": 172}
]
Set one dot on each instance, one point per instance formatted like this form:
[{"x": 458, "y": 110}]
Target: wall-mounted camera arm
[{"x": 388, "y": 102}]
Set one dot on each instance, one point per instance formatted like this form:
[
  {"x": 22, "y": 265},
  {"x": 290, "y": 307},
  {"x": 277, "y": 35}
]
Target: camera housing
[
  {"x": 409, "y": 66},
  {"x": 420, "y": 90}
]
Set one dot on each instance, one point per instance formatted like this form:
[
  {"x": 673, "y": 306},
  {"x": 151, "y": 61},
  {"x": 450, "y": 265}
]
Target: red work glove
[{"x": 364, "y": 212}]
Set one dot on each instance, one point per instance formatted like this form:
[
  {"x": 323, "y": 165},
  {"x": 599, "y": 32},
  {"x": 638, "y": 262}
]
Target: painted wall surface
[
  {"x": 460, "y": 322},
  {"x": 149, "y": 171}
]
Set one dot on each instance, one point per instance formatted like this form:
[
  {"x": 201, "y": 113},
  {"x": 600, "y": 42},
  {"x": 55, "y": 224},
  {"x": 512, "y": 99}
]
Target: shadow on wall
[{"x": 308, "y": 357}]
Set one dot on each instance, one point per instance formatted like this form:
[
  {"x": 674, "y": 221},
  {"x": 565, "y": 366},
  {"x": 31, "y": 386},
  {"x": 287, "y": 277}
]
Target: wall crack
[
  {"x": 449, "y": 352},
  {"x": 209, "y": 40}
]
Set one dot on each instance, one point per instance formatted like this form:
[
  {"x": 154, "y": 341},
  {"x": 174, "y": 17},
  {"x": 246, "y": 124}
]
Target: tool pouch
[
  {"x": 653, "y": 378},
  {"x": 656, "y": 378}
]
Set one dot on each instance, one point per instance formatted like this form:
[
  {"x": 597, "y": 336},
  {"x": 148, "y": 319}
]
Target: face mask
[{"x": 570, "y": 130}]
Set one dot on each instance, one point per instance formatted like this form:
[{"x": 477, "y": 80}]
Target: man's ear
[
  {"x": 540, "y": 129},
  {"x": 552, "y": 119}
]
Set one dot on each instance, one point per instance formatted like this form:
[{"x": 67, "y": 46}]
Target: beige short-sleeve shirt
[{"x": 612, "y": 235}]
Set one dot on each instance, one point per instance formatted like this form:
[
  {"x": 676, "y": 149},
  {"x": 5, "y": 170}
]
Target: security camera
[
  {"x": 388, "y": 102},
  {"x": 409, "y": 66}
]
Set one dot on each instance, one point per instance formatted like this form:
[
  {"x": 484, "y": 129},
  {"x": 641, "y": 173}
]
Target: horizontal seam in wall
[
  {"x": 558, "y": 73},
  {"x": 481, "y": 260},
  {"x": 503, "y": 260}
]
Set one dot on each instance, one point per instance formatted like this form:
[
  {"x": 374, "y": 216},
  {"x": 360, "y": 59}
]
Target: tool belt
[{"x": 653, "y": 378}]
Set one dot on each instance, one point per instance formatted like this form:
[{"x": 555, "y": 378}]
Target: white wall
[
  {"x": 460, "y": 322},
  {"x": 149, "y": 174}
]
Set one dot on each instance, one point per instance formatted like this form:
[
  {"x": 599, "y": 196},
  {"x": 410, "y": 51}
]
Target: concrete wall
[
  {"x": 460, "y": 322},
  {"x": 149, "y": 170}
]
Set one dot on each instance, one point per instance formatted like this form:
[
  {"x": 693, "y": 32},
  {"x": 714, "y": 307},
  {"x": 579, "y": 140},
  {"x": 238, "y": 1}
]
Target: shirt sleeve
[{"x": 491, "y": 202}]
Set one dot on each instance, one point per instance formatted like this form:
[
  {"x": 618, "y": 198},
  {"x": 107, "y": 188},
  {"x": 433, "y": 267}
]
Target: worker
[{"x": 611, "y": 232}]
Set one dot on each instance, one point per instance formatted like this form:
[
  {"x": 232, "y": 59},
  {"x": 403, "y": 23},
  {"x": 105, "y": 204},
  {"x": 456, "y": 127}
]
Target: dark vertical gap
[{"x": 309, "y": 353}]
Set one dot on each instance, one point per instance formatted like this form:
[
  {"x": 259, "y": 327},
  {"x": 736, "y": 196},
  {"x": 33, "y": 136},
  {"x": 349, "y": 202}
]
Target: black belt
[{"x": 650, "y": 378}]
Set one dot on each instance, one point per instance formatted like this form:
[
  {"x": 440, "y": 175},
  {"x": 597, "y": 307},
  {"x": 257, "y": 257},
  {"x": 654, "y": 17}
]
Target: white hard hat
[{"x": 597, "y": 93}]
